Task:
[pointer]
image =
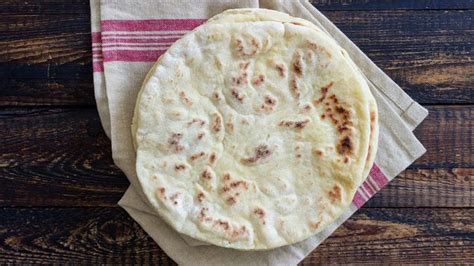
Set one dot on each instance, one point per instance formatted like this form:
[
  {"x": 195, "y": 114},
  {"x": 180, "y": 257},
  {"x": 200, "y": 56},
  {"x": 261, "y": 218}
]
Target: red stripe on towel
[
  {"x": 150, "y": 24},
  {"x": 98, "y": 66},
  {"x": 378, "y": 176},
  {"x": 358, "y": 200},
  {"x": 96, "y": 37},
  {"x": 132, "y": 55},
  {"x": 135, "y": 40}
]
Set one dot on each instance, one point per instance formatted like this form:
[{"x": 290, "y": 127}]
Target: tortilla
[{"x": 252, "y": 135}]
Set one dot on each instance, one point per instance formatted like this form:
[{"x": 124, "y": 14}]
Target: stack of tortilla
[{"x": 253, "y": 131}]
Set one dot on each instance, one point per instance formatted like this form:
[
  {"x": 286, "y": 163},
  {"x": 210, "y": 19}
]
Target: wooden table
[{"x": 59, "y": 187}]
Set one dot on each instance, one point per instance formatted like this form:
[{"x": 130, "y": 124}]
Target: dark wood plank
[
  {"x": 443, "y": 187},
  {"x": 85, "y": 236},
  {"x": 391, "y": 4},
  {"x": 448, "y": 135},
  {"x": 430, "y": 61},
  {"x": 56, "y": 157},
  {"x": 400, "y": 236},
  {"x": 427, "y": 53},
  {"x": 34, "y": 92},
  {"x": 44, "y": 7},
  {"x": 61, "y": 157},
  {"x": 108, "y": 235}
]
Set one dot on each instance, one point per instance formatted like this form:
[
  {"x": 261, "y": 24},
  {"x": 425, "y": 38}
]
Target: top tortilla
[{"x": 252, "y": 135}]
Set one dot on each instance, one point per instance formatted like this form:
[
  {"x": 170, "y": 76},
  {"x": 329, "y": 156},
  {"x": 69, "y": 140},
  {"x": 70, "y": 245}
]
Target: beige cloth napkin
[{"x": 118, "y": 75}]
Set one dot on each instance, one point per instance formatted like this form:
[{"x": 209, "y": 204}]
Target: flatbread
[{"x": 252, "y": 135}]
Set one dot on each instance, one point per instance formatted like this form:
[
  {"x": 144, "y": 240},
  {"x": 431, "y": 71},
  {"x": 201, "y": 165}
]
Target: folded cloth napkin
[{"x": 129, "y": 36}]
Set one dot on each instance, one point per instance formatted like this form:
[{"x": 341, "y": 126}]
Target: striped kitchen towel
[{"x": 129, "y": 36}]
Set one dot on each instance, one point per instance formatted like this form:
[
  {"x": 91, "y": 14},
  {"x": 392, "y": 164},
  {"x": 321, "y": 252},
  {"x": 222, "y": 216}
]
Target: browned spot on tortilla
[
  {"x": 224, "y": 224},
  {"x": 216, "y": 96},
  {"x": 244, "y": 121},
  {"x": 235, "y": 93},
  {"x": 234, "y": 184},
  {"x": 269, "y": 103},
  {"x": 341, "y": 110},
  {"x": 281, "y": 70},
  {"x": 294, "y": 123},
  {"x": 196, "y": 121},
  {"x": 333, "y": 118},
  {"x": 174, "y": 142},
  {"x": 307, "y": 107},
  {"x": 200, "y": 196},
  {"x": 269, "y": 100},
  {"x": 241, "y": 78},
  {"x": 297, "y": 64},
  {"x": 206, "y": 174},
  {"x": 255, "y": 43},
  {"x": 320, "y": 49},
  {"x": 341, "y": 129},
  {"x": 315, "y": 226},
  {"x": 318, "y": 152},
  {"x": 346, "y": 159},
  {"x": 259, "y": 212},
  {"x": 258, "y": 80},
  {"x": 180, "y": 167},
  {"x": 324, "y": 92},
  {"x": 340, "y": 116},
  {"x": 216, "y": 122},
  {"x": 197, "y": 155},
  {"x": 239, "y": 45},
  {"x": 313, "y": 45},
  {"x": 162, "y": 190},
  {"x": 200, "y": 135},
  {"x": 212, "y": 158},
  {"x": 202, "y": 215},
  {"x": 344, "y": 147},
  {"x": 230, "y": 126},
  {"x": 244, "y": 65},
  {"x": 295, "y": 90},
  {"x": 184, "y": 98},
  {"x": 231, "y": 230},
  {"x": 335, "y": 194},
  {"x": 174, "y": 197},
  {"x": 298, "y": 155},
  {"x": 261, "y": 152},
  {"x": 230, "y": 200}
]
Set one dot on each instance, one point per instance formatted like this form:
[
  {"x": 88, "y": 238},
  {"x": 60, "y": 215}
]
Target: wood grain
[
  {"x": 61, "y": 157},
  {"x": 48, "y": 91},
  {"x": 427, "y": 53},
  {"x": 400, "y": 236},
  {"x": 388, "y": 4},
  {"x": 56, "y": 157},
  {"x": 108, "y": 235}
]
